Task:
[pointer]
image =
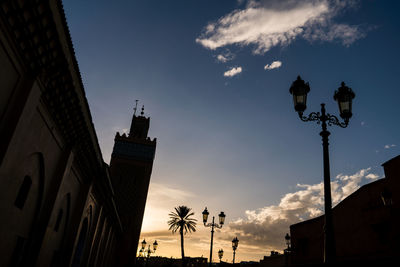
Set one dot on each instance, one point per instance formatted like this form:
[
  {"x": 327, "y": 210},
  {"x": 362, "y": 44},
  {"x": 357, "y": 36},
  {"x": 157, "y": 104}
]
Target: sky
[{"x": 214, "y": 78}]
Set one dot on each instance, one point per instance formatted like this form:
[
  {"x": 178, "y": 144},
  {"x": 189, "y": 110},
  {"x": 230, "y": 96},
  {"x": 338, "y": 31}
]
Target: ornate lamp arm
[
  {"x": 216, "y": 225},
  {"x": 313, "y": 116},
  {"x": 333, "y": 120},
  {"x": 324, "y": 118}
]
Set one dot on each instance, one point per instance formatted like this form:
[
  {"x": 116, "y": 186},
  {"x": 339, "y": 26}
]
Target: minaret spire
[
  {"x": 140, "y": 124},
  {"x": 135, "y": 108}
]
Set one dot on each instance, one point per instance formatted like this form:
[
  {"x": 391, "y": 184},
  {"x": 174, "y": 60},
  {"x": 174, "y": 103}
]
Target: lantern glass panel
[
  {"x": 205, "y": 215},
  {"x": 221, "y": 218},
  {"x": 300, "y": 100},
  {"x": 344, "y": 107}
]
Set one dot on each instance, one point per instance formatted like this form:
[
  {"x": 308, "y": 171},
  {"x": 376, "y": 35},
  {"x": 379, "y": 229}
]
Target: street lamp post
[
  {"x": 287, "y": 239},
  {"x": 344, "y": 96},
  {"x": 235, "y": 244},
  {"x": 287, "y": 250},
  {"x": 145, "y": 253},
  {"x": 212, "y": 225},
  {"x": 220, "y": 255}
]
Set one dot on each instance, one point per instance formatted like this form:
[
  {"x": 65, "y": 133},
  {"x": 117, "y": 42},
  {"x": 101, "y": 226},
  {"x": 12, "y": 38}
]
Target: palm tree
[{"x": 180, "y": 220}]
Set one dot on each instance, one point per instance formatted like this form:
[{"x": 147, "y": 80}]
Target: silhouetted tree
[{"x": 180, "y": 220}]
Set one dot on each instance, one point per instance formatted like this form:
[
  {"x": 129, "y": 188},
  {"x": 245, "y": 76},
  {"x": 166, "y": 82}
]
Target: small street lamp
[
  {"x": 287, "y": 239},
  {"x": 220, "y": 255},
  {"x": 145, "y": 253},
  {"x": 287, "y": 250},
  {"x": 235, "y": 244},
  {"x": 344, "y": 96},
  {"x": 212, "y": 225}
]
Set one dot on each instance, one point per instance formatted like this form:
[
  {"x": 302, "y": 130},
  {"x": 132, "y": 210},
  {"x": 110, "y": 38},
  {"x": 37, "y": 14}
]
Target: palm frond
[{"x": 181, "y": 220}]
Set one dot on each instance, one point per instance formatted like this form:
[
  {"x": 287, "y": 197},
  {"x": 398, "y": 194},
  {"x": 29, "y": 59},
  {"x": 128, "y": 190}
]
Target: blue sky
[{"x": 235, "y": 143}]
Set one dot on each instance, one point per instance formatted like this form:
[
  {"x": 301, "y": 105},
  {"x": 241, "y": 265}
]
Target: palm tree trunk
[{"x": 182, "y": 248}]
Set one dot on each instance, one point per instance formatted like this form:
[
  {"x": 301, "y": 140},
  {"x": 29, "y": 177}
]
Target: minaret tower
[{"x": 130, "y": 168}]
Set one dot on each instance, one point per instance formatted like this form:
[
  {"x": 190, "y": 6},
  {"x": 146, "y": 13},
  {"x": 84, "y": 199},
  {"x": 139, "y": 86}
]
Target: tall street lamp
[
  {"x": 220, "y": 254},
  {"x": 344, "y": 96},
  {"x": 235, "y": 244},
  {"x": 212, "y": 225}
]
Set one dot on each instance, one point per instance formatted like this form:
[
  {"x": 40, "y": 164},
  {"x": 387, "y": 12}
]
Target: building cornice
[{"x": 41, "y": 36}]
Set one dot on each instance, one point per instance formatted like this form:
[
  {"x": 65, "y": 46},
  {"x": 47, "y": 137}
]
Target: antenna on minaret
[
  {"x": 135, "y": 108},
  {"x": 142, "y": 113}
]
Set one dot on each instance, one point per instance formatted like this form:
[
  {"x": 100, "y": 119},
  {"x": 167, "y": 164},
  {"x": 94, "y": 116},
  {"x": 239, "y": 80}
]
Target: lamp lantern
[
  {"x": 205, "y": 215},
  {"x": 344, "y": 97},
  {"x": 235, "y": 243},
  {"x": 299, "y": 90},
  {"x": 221, "y": 218},
  {"x": 220, "y": 254}
]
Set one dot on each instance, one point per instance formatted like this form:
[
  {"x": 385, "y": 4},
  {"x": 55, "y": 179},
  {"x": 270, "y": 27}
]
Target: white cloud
[
  {"x": 267, "y": 226},
  {"x": 273, "y": 65},
  {"x": 266, "y": 24},
  {"x": 225, "y": 57},
  {"x": 222, "y": 58},
  {"x": 372, "y": 176},
  {"x": 232, "y": 72},
  {"x": 389, "y": 146}
]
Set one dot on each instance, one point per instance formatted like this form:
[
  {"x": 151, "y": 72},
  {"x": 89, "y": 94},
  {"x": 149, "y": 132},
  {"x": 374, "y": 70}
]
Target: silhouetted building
[
  {"x": 275, "y": 260},
  {"x": 57, "y": 202},
  {"x": 131, "y": 165},
  {"x": 366, "y": 225}
]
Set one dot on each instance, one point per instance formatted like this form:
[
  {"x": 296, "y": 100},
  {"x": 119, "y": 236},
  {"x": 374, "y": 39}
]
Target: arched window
[{"x": 23, "y": 192}]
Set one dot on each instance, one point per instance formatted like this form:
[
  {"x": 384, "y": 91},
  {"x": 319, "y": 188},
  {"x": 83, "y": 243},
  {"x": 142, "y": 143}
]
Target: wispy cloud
[
  {"x": 273, "y": 65},
  {"x": 265, "y": 24},
  {"x": 389, "y": 146},
  {"x": 161, "y": 199},
  {"x": 222, "y": 58},
  {"x": 233, "y": 71},
  {"x": 225, "y": 57},
  {"x": 267, "y": 226}
]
